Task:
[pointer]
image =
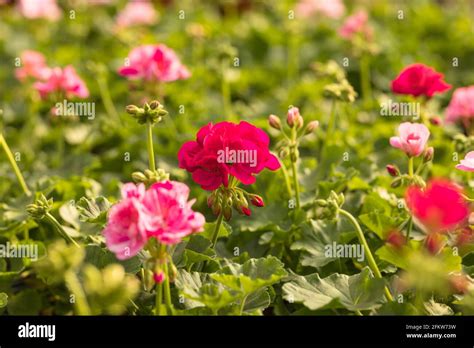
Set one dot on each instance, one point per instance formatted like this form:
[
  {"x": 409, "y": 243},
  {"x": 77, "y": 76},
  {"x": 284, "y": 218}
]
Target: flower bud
[
  {"x": 434, "y": 242},
  {"x": 132, "y": 109},
  {"x": 227, "y": 212},
  {"x": 428, "y": 155},
  {"x": 256, "y": 200},
  {"x": 139, "y": 177},
  {"x": 311, "y": 127},
  {"x": 397, "y": 182},
  {"x": 321, "y": 203},
  {"x": 159, "y": 277},
  {"x": 396, "y": 239},
  {"x": 155, "y": 104},
  {"x": 283, "y": 153},
  {"x": 392, "y": 170},
  {"x": 246, "y": 211},
  {"x": 436, "y": 121},
  {"x": 274, "y": 122},
  {"x": 210, "y": 200},
  {"x": 292, "y": 116}
]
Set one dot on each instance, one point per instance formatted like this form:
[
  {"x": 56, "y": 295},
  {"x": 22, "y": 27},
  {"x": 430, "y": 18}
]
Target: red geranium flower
[{"x": 419, "y": 79}]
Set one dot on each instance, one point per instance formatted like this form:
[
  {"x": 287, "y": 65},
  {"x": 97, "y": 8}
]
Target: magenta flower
[
  {"x": 419, "y": 79},
  {"x": 33, "y": 64},
  {"x": 33, "y": 9},
  {"x": 64, "y": 81},
  {"x": 154, "y": 63},
  {"x": 223, "y": 149},
  {"x": 163, "y": 211},
  {"x": 461, "y": 105},
  {"x": 333, "y": 9},
  {"x": 135, "y": 13},
  {"x": 412, "y": 138},
  {"x": 467, "y": 164},
  {"x": 356, "y": 24},
  {"x": 124, "y": 235}
]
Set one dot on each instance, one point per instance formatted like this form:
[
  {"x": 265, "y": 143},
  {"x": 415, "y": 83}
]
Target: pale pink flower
[
  {"x": 412, "y": 138},
  {"x": 355, "y": 24},
  {"x": 154, "y": 63},
  {"x": 33, "y": 64},
  {"x": 461, "y": 105},
  {"x": 65, "y": 81},
  {"x": 170, "y": 217},
  {"x": 124, "y": 235},
  {"x": 33, "y": 9},
  {"x": 467, "y": 164},
  {"x": 139, "y": 12},
  {"x": 330, "y": 8}
]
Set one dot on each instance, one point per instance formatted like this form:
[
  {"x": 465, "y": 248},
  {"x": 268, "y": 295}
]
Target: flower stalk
[{"x": 14, "y": 165}]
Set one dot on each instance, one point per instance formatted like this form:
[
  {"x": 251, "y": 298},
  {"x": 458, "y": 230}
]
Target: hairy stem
[
  {"x": 151, "y": 153},
  {"x": 60, "y": 229},
  {"x": 14, "y": 166}
]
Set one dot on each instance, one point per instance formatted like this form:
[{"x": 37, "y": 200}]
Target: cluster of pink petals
[
  {"x": 419, "y": 79},
  {"x": 357, "y": 23},
  {"x": 33, "y": 64},
  {"x": 137, "y": 12},
  {"x": 467, "y": 164},
  {"x": 440, "y": 207},
  {"x": 154, "y": 63},
  {"x": 330, "y": 8},
  {"x": 33, "y": 9},
  {"x": 461, "y": 105},
  {"x": 200, "y": 157},
  {"x": 411, "y": 139},
  {"x": 163, "y": 211},
  {"x": 62, "y": 80}
]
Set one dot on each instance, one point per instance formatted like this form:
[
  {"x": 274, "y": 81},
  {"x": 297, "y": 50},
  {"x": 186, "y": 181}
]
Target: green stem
[
  {"x": 370, "y": 258},
  {"x": 409, "y": 228},
  {"x": 168, "y": 303},
  {"x": 330, "y": 128},
  {"x": 287, "y": 179},
  {"x": 410, "y": 166},
  {"x": 359, "y": 313},
  {"x": 106, "y": 98},
  {"x": 158, "y": 298},
  {"x": 14, "y": 166},
  {"x": 80, "y": 300},
  {"x": 296, "y": 183},
  {"x": 60, "y": 229},
  {"x": 242, "y": 305},
  {"x": 151, "y": 153},
  {"x": 215, "y": 234},
  {"x": 365, "y": 79}
]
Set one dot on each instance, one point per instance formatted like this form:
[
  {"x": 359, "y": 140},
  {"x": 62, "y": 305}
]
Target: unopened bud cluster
[
  {"x": 406, "y": 179},
  {"x": 328, "y": 208},
  {"x": 225, "y": 199},
  {"x": 149, "y": 177},
  {"x": 149, "y": 113},
  {"x": 40, "y": 207},
  {"x": 295, "y": 125}
]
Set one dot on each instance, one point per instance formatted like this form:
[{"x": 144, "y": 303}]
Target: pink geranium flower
[
  {"x": 223, "y": 149},
  {"x": 64, "y": 81},
  {"x": 33, "y": 9},
  {"x": 412, "y": 138},
  {"x": 439, "y": 207},
  {"x": 33, "y": 64},
  {"x": 124, "y": 235},
  {"x": 461, "y": 105},
  {"x": 419, "y": 79},
  {"x": 330, "y": 8},
  {"x": 467, "y": 164},
  {"x": 356, "y": 24},
  {"x": 163, "y": 212},
  {"x": 154, "y": 63},
  {"x": 138, "y": 12},
  {"x": 170, "y": 217}
]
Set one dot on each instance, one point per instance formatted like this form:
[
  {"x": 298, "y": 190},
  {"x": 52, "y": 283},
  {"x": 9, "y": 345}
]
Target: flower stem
[
  {"x": 410, "y": 166},
  {"x": 60, "y": 229},
  {"x": 409, "y": 228},
  {"x": 296, "y": 183},
  {"x": 158, "y": 298},
  {"x": 15, "y": 168},
  {"x": 166, "y": 284},
  {"x": 287, "y": 179},
  {"x": 215, "y": 234},
  {"x": 151, "y": 153},
  {"x": 370, "y": 258},
  {"x": 80, "y": 300}
]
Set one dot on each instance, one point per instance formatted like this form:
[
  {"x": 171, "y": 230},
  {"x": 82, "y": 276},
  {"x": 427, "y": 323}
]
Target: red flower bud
[
  {"x": 257, "y": 201},
  {"x": 436, "y": 121},
  {"x": 393, "y": 170},
  {"x": 396, "y": 239},
  {"x": 434, "y": 242},
  {"x": 246, "y": 211},
  {"x": 159, "y": 277},
  {"x": 274, "y": 122},
  {"x": 292, "y": 116}
]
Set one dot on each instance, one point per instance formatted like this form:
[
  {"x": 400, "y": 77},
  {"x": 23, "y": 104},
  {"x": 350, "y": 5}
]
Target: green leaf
[
  {"x": 435, "y": 308},
  {"x": 257, "y": 302},
  {"x": 357, "y": 292},
  {"x": 395, "y": 308},
  {"x": 93, "y": 210},
  {"x": 251, "y": 276},
  {"x": 3, "y": 299},
  {"x": 200, "y": 287},
  {"x": 224, "y": 230},
  {"x": 378, "y": 223},
  {"x": 27, "y": 302},
  {"x": 101, "y": 257},
  {"x": 316, "y": 235}
]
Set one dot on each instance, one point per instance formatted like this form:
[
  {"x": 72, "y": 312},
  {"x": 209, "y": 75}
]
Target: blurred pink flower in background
[
  {"x": 137, "y": 12},
  {"x": 33, "y": 9},
  {"x": 461, "y": 105},
  {"x": 154, "y": 62},
  {"x": 330, "y": 8},
  {"x": 357, "y": 23},
  {"x": 33, "y": 64},
  {"x": 467, "y": 164},
  {"x": 412, "y": 138},
  {"x": 62, "y": 80}
]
